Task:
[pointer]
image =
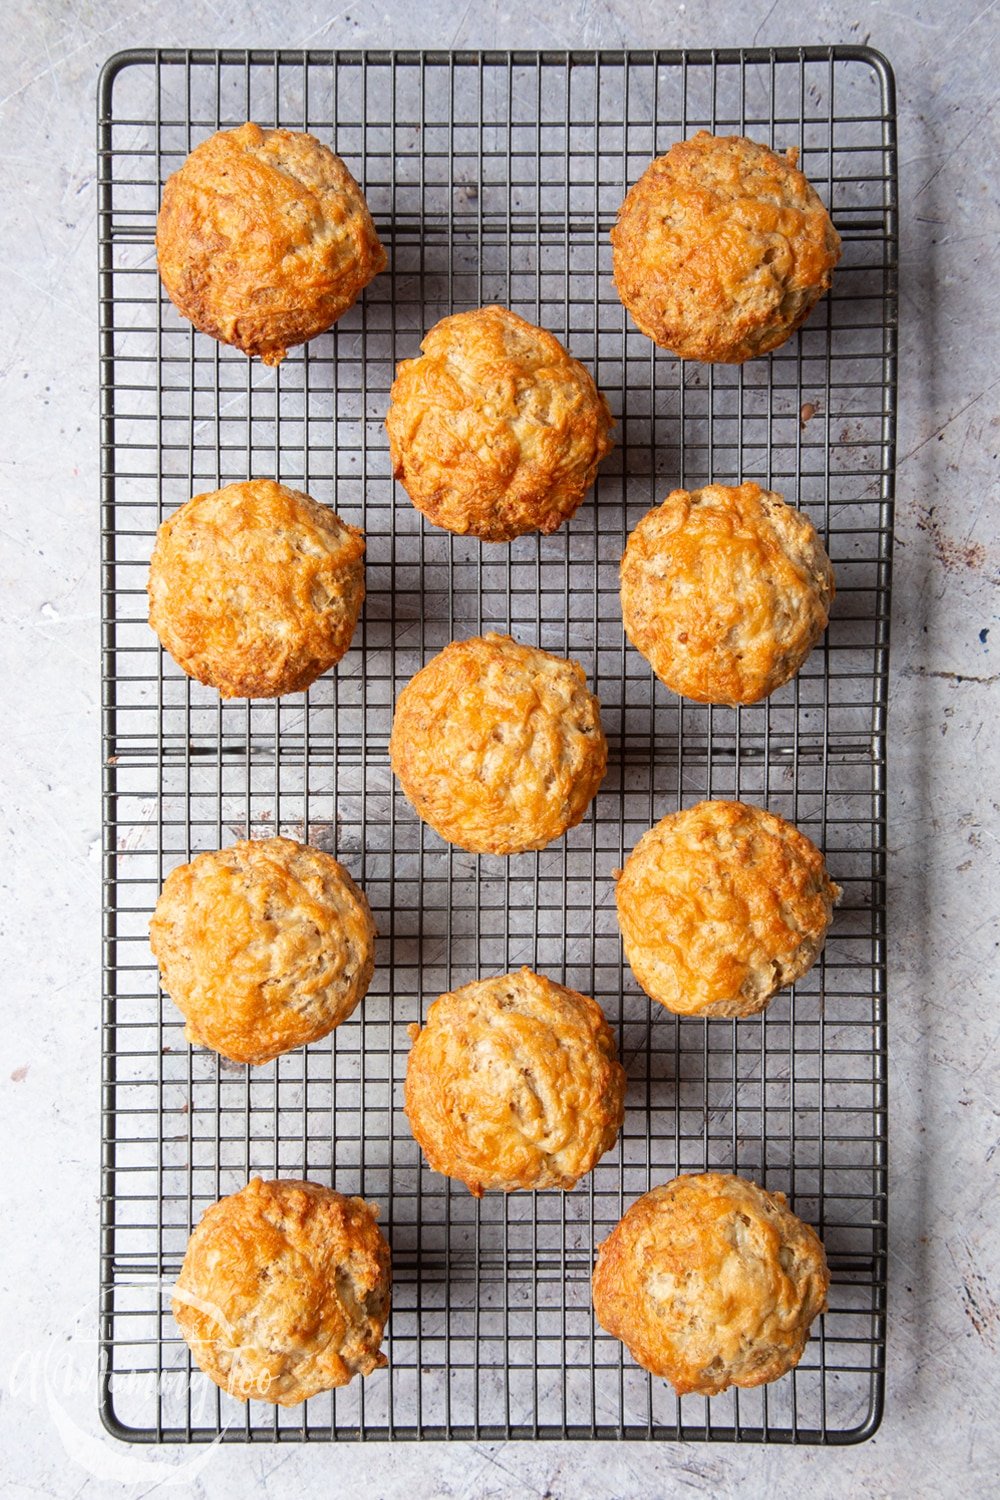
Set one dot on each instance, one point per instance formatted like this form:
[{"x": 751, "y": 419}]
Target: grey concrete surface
[{"x": 940, "y": 1433}]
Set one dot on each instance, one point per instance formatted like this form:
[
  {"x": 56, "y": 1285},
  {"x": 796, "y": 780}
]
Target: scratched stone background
[{"x": 940, "y": 1434}]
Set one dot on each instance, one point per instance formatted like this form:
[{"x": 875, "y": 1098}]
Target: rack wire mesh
[{"x": 495, "y": 177}]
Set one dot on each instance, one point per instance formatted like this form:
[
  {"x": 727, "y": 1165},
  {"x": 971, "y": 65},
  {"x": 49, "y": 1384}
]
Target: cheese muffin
[
  {"x": 263, "y": 946},
  {"x": 255, "y": 589},
  {"x": 513, "y": 1083},
  {"x": 495, "y": 430},
  {"x": 498, "y": 746},
  {"x": 264, "y": 239},
  {"x": 725, "y": 591},
  {"x": 722, "y": 905},
  {"x": 284, "y": 1291},
  {"x": 722, "y": 249},
  {"x": 710, "y": 1282}
]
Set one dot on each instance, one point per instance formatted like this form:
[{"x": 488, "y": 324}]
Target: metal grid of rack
[{"x": 495, "y": 177}]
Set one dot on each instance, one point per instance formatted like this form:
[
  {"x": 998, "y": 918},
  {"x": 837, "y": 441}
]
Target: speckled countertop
[{"x": 940, "y": 1433}]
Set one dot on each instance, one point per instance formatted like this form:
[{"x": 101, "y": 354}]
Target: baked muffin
[
  {"x": 284, "y": 1291},
  {"x": 498, "y": 746},
  {"x": 722, "y": 248},
  {"x": 513, "y": 1083},
  {"x": 710, "y": 1282},
  {"x": 264, "y": 239},
  {"x": 263, "y": 946},
  {"x": 255, "y": 589},
  {"x": 725, "y": 591},
  {"x": 722, "y": 905},
  {"x": 495, "y": 430}
]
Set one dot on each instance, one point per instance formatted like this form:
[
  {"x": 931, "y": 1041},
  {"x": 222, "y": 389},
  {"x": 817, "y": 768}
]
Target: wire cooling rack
[{"x": 495, "y": 178}]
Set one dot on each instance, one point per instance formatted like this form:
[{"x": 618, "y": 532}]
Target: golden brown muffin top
[
  {"x": 263, "y": 946},
  {"x": 722, "y": 248},
  {"x": 513, "y": 1083},
  {"x": 710, "y": 1282},
  {"x": 495, "y": 430},
  {"x": 264, "y": 239},
  {"x": 498, "y": 746},
  {"x": 722, "y": 905},
  {"x": 255, "y": 589},
  {"x": 284, "y": 1291},
  {"x": 725, "y": 591}
]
